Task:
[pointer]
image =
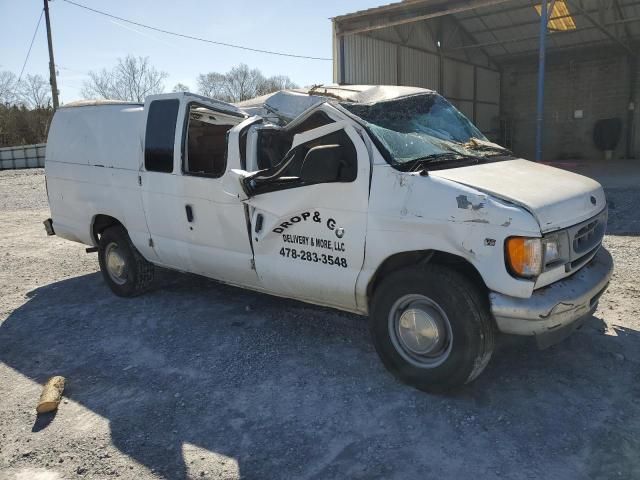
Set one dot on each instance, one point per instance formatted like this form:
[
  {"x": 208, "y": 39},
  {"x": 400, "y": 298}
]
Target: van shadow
[{"x": 291, "y": 390}]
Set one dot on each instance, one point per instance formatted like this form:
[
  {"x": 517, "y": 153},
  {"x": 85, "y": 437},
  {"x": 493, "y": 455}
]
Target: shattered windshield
[{"x": 421, "y": 126}]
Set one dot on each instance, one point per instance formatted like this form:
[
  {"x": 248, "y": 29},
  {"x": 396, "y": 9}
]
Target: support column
[{"x": 541, "y": 65}]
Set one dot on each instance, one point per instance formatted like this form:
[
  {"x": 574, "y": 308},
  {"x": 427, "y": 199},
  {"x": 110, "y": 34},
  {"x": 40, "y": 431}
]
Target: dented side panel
[{"x": 428, "y": 213}]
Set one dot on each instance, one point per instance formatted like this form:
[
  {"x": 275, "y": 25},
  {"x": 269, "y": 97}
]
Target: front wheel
[
  {"x": 126, "y": 271},
  {"x": 432, "y": 327}
]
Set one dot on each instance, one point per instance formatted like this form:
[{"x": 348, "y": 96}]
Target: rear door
[
  {"x": 219, "y": 246},
  {"x": 188, "y": 216},
  {"x": 309, "y": 239}
]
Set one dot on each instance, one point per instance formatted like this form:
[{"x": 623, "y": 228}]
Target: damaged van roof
[{"x": 288, "y": 104}]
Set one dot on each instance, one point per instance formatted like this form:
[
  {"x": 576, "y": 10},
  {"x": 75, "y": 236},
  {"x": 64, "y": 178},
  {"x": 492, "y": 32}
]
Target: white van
[{"x": 383, "y": 201}]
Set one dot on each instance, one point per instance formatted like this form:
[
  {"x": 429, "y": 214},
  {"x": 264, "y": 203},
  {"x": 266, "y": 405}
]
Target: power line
[
  {"x": 191, "y": 37},
  {"x": 31, "y": 45},
  {"x": 62, "y": 67}
]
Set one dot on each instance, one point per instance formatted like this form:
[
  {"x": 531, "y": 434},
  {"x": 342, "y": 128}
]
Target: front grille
[
  {"x": 578, "y": 244},
  {"x": 585, "y": 239},
  {"x": 578, "y": 262},
  {"x": 588, "y": 236}
]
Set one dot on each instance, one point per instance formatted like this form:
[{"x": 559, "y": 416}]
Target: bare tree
[
  {"x": 35, "y": 92},
  {"x": 240, "y": 83},
  {"x": 243, "y": 83},
  {"x": 9, "y": 88},
  {"x": 213, "y": 85},
  {"x": 276, "y": 83},
  {"x": 132, "y": 79},
  {"x": 180, "y": 87}
]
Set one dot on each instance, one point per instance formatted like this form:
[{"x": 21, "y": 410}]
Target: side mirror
[
  {"x": 232, "y": 184},
  {"x": 322, "y": 164}
]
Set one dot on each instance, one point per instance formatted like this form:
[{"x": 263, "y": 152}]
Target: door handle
[
  {"x": 189, "y": 211},
  {"x": 259, "y": 220}
]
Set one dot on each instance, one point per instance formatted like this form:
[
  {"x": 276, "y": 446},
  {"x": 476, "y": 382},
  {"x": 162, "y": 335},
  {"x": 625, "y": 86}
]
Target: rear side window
[
  {"x": 206, "y": 142},
  {"x": 160, "y": 136}
]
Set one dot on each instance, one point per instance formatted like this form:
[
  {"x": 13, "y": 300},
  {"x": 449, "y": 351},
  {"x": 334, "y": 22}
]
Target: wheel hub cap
[
  {"x": 116, "y": 265},
  {"x": 419, "y": 331}
]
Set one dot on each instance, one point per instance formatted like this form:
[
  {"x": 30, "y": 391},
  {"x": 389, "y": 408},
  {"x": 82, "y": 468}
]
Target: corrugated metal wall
[
  {"x": 418, "y": 69},
  {"x": 367, "y": 58},
  {"x": 24, "y": 156},
  {"x": 376, "y": 62},
  {"x": 487, "y": 99},
  {"x": 408, "y": 55},
  {"x": 458, "y": 85}
]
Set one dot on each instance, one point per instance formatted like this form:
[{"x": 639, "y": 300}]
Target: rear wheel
[
  {"x": 123, "y": 268},
  {"x": 432, "y": 327}
]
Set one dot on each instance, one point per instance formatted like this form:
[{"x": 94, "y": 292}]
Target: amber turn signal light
[{"x": 524, "y": 256}]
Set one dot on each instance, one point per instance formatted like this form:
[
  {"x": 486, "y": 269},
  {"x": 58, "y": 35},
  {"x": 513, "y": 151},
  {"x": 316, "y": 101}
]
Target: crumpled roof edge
[{"x": 289, "y": 104}]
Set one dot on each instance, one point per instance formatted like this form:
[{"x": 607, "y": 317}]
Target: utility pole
[
  {"x": 541, "y": 64},
  {"x": 52, "y": 63}
]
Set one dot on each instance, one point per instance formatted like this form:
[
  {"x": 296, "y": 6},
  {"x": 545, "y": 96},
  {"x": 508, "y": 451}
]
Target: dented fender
[{"x": 429, "y": 213}]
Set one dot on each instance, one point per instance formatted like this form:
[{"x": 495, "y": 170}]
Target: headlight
[
  {"x": 524, "y": 256},
  {"x": 551, "y": 250}
]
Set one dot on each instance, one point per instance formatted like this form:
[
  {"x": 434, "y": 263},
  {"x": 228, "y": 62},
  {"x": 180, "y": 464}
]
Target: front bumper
[{"x": 553, "y": 312}]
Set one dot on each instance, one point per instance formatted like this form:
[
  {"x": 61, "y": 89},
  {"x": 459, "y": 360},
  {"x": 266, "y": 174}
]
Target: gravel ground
[{"x": 200, "y": 380}]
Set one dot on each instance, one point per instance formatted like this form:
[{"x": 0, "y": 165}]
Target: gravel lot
[{"x": 200, "y": 380}]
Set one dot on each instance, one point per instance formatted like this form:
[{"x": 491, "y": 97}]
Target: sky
[{"x": 85, "y": 41}]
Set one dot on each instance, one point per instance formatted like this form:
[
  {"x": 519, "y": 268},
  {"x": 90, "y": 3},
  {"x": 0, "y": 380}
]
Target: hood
[{"x": 555, "y": 197}]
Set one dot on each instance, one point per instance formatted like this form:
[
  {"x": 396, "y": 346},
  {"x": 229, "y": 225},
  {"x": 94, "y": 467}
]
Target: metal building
[{"x": 485, "y": 57}]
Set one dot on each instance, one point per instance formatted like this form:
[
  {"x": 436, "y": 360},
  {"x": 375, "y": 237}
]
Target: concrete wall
[{"x": 596, "y": 81}]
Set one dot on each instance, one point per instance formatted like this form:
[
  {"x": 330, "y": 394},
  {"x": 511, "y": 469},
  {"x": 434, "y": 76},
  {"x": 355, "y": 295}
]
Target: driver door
[{"x": 309, "y": 236}]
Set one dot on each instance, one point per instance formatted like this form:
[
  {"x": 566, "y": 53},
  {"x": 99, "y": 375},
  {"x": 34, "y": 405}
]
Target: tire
[
  {"x": 123, "y": 268},
  {"x": 432, "y": 327}
]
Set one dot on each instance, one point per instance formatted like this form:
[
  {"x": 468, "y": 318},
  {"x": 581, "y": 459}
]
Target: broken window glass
[{"x": 417, "y": 126}]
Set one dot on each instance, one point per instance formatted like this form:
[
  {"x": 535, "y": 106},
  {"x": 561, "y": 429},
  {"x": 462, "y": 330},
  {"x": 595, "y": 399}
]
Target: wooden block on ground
[{"x": 51, "y": 395}]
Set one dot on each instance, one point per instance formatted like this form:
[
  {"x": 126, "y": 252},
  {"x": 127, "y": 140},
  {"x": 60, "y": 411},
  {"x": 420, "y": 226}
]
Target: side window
[
  {"x": 273, "y": 144},
  {"x": 160, "y": 135},
  {"x": 347, "y": 154},
  {"x": 206, "y": 142},
  {"x": 331, "y": 158}
]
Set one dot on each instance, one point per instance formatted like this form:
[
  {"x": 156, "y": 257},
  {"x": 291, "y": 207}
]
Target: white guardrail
[{"x": 23, "y": 156}]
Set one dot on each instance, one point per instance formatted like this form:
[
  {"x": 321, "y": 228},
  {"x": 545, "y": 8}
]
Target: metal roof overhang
[{"x": 507, "y": 29}]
